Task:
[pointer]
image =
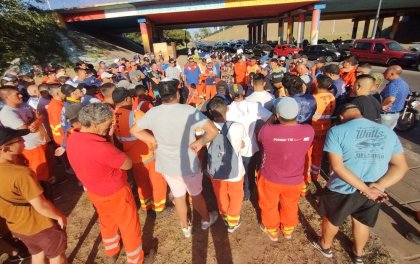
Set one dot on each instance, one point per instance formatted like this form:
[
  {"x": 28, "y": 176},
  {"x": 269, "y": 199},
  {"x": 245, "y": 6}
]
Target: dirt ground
[{"x": 163, "y": 241}]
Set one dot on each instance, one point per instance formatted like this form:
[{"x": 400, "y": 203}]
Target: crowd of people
[{"x": 258, "y": 128}]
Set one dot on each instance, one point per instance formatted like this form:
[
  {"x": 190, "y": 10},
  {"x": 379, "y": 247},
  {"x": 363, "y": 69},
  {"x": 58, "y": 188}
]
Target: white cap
[
  {"x": 116, "y": 60},
  {"x": 70, "y": 82},
  {"x": 282, "y": 58},
  {"x": 106, "y": 75},
  {"x": 287, "y": 108},
  {"x": 209, "y": 60}
]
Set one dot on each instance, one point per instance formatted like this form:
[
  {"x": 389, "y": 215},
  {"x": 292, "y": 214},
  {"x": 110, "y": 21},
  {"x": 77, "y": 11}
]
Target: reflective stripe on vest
[{"x": 316, "y": 116}]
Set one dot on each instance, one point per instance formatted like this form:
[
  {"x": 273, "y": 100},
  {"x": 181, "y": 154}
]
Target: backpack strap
[
  {"x": 225, "y": 131},
  {"x": 15, "y": 204}
]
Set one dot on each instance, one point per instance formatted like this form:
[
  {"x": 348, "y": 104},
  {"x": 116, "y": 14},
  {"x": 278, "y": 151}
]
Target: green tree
[
  {"x": 134, "y": 36},
  {"x": 179, "y": 36},
  {"x": 28, "y": 33}
]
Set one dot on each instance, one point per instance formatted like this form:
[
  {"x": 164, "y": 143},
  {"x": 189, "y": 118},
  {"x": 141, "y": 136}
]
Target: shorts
[
  {"x": 337, "y": 207},
  {"x": 53, "y": 241},
  {"x": 180, "y": 185}
]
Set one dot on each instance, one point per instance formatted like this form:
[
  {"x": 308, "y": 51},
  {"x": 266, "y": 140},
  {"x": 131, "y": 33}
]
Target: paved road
[{"x": 411, "y": 76}]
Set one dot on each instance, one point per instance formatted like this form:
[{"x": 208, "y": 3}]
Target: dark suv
[
  {"x": 328, "y": 51},
  {"x": 383, "y": 51}
]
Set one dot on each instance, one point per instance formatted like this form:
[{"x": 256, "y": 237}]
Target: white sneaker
[
  {"x": 213, "y": 218},
  {"x": 187, "y": 231}
]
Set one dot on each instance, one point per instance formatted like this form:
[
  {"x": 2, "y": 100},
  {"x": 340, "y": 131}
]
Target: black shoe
[
  {"x": 413, "y": 238},
  {"x": 327, "y": 252}
]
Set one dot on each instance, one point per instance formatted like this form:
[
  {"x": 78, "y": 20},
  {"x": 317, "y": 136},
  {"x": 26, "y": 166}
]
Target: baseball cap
[
  {"x": 222, "y": 84},
  {"x": 7, "y": 134},
  {"x": 120, "y": 94},
  {"x": 125, "y": 84},
  {"x": 106, "y": 75},
  {"x": 344, "y": 107},
  {"x": 113, "y": 65},
  {"x": 72, "y": 111},
  {"x": 70, "y": 82},
  {"x": 208, "y": 60},
  {"x": 277, "y": 77},
  {"x": 282, "y": 58},
  {"x": 67, "y": 89},
  {"x": 92, "y": 81},
  {"x": 321, "y": 60},
  {"x": 236, "y": 90},
  {"x": 287, "y": 108},
  {"x": 265, "y": 67},
  {"x": 116, "y": 60},
  {"x": 10, "y": 78}
]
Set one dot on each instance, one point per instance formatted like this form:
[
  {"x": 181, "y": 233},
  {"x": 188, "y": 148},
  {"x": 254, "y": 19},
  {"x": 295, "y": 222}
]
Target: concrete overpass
[{"x": 153, "y": 16}]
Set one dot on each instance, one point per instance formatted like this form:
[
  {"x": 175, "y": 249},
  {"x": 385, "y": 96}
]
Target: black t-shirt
[
  {"x": 370, "y": 107},
  {"x": 156, "y": 75}
]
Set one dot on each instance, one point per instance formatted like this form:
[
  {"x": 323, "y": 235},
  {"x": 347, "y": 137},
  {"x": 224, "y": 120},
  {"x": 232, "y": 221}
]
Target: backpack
[{"x": 222, "y": 161}]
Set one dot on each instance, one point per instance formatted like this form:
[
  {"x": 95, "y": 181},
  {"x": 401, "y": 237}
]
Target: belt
[{"x": 384, "y": 113}]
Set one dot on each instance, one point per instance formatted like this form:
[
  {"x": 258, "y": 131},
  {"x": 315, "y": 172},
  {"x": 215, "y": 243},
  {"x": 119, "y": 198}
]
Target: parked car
[
  {"x": 262, "y": 49},
  {"x": 286, "y": 50},
  {"x": 414, "y": 48},
  {"x": 383, "y": 51},
  {"x": 328, "y": 51},
  {"x": 272, "y": 43},
  {"x": 345, "y": 45},
  {"x": 323, "y": 41}
]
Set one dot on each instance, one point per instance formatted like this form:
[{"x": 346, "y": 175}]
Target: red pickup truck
[
  {"x": 383, "y": 51},
  {"x": 286, "y": 50}
]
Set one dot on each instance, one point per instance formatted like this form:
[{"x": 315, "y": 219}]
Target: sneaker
[
  {"x": 213, "y": 218},
  {"x": 19, "y": 258},
  {"x": 272, "y": 238},
  {"x": 187, "y": 231},
  {"x": 357, "y": 259},
  {"x": 317, "y": 244},
  {"x": 288, "y": 237},
  {"x": 232, "y": 229}
]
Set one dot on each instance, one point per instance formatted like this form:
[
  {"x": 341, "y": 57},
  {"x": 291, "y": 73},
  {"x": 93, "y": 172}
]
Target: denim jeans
[
  {"x": 251, "y": 164},
  {"x": 390, "y": 120}
]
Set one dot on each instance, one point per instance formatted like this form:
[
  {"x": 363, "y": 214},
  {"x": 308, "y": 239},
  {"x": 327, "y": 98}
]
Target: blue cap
[{"x": 92, "y": 81}]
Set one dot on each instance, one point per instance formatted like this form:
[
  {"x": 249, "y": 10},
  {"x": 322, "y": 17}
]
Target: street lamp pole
[{"x": 375, "y": 24}]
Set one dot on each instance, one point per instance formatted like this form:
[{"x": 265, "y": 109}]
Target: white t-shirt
[
  {"x": 173, "y": 126},
  {"x": 263, "y": 97},
  {"x": 17, "y": 117},
  {"x": 236, "y": 135},
  {"x": 248, "y": 114}
]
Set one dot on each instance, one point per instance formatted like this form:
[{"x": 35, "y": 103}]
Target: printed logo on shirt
[{"x": 370, "y": 143}]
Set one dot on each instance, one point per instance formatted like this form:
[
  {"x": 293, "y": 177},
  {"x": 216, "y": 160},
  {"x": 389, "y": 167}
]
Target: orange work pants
[
  {"x": 269, "y": 196},
  {"x": 316, "y": 157},
  {"x": 36, "y": 159},
  {"x": 306, "y": 172},
  {"x": 200, "y": 88},
  {"x": 118, "y": 212},
  {"x": 210, "y": 91},
  {"x": 229, "y": 196},
  {"x": 151, "y": 186}
]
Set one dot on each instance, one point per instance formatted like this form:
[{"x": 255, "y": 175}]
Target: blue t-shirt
[
  {"x": 366, "y": 148},
  {"x": 192, "y": 74},
  {"x": 307, "y": 107},
  {"x": 399, "y": 89}
]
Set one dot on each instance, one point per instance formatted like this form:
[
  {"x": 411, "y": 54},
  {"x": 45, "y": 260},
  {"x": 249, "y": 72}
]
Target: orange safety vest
[
  {"x": 138, "y": 151},
  {"x": 325, "y": 106},
  {"x": 54, "y": 118}
]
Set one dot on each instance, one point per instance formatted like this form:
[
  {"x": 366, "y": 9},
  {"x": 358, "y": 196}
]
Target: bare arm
[
  {"x": 387, "y": 102},
  {"x": 44, "y": 207},
  {"x": 128, "y": 163},
  {"x": 396, "y": 171},
  {"x": 210, "y": 133},
  {"x": 348, "y": 176},
  {"x": 142, "y": 135}
]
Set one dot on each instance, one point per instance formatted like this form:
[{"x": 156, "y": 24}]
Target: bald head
[
  {"x": 393, "y": 72},
  {"x": 33, "y": 90}
]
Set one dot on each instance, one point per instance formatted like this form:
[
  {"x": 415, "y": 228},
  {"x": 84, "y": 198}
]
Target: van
[{"x": 383, "y": 51}]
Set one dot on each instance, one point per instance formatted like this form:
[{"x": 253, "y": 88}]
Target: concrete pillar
[
  {"x": 355, "y": 25},
  {"x": 394, "y": 27},
  {"x": 250, "y": 33},
  {"x": 290, "y": 37},
  {"x": 146, "y": 34},
  {"x": 254, "y": 34},
  {"x": 380, "y": 25},
  {"x": 366, "y": 28},
  {"x": 264, "y": 33},
  {"x": 259, "y": 29},
  {"x": 280, "y": 31},
  {"x": 300, "y": 33},
  {"x": 316, "y": 17}
]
